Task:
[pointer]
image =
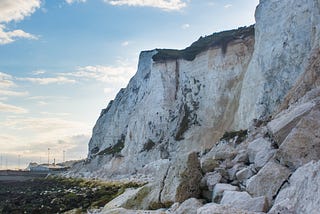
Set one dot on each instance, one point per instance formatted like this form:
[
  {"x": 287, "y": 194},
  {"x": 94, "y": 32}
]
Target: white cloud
[
  {"x": 7, "y": 37},
  {"x": 228, "y": 6},
  {"x": 48, "y": 80},
  {"x": 47, "y": 127},
  {"x": 63, "y": 114},
  {"x": 125, "y": 43},
  {"x": 106, "y": 74},
  {"x": 13, "y": 93},
  {"x": 38, "y": 72},
  {"x": 6, "y": 80},
  {"x": 73, "y": 1},
  {"x": 12, "y": 109},
  {"x": 15, "y": 10},
  {"x": 108, "y": 90},
  {"x": 42, "y": 103},
  {"x": 55, "y": 98},
  {"x": 185, "y": 26},
  {"x": 168, "y": 5}
]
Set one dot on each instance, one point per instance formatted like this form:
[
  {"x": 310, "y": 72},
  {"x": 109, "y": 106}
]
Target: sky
[{"x": 62, "y": 61}]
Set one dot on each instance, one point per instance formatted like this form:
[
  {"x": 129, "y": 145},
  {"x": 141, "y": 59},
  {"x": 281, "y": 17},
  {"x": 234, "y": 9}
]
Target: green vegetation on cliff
[{"x": 220, "y": 39}]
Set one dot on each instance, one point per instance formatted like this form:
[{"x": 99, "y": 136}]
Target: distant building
[{"x": 34, "y": 167}]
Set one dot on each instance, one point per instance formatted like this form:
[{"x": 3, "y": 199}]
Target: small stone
[
  {"x": 224, "y": 151},
  {"x": 219, "y": 189},
  {"x": 212, "y": 179},
  {"x": 244, "y": 174},
  {"x": 232, "y": 172},
  {"x": 208, "y": 164},
  {"x": 242, "y": 157}
]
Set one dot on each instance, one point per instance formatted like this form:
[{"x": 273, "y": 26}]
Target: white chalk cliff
[{"x": 262, "y": 78}]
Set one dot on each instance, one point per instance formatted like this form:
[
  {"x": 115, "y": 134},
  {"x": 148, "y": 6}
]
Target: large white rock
[
  {"x": 213, "y": 208},
  {"x": 302, "y": 144},
  {"x": 268, "y": 180},
  {"x": 302, "y": 195},
  {"x": 282, "y": 125},
  {"x": 260, "y": 152},
  {"x": 124, "y": 200},
  {"x": 143, "y": 198},
  {"x": 126, "y": 211},
  {"x": 244, "y": 201},
  {"x": 189, "y": 206},
  {"x": 182, "y": 180}
]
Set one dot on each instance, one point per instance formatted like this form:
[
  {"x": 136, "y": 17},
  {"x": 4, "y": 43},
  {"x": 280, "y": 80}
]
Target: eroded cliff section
[{"x": 171, "y": 107}]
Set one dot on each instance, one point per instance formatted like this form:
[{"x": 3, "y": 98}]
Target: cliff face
[
  {"x": 172, "y": 106},
  {"x": 177, "y": 102},
  {"x": 286, "y": 33}
]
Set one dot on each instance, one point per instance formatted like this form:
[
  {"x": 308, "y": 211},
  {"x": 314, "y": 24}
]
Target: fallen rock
[
  {"x": 232, "y": 171},
  {"x": 268, "y": 181},
  {"x": 126, "y": 211},
  {"x": 182, "y": 180},
  {"x": 146, "y": 197},
  {"x": 244, "y": 201},
  {"x": 123, "y": 200},
  {"x": 281, "y": 126},
  {"x": 302, "y": 144},
  {"x": 209, "y": 163},
  {"x": 224, "y": 151},
  {"x": 302, "y": 195},
  {"x": 241, "y": 157},
  {"x": 219, "y": 189},
  {"x": 173, "y": 208},
  {"x": 212, "y": 179},
  {"x": 213, "y": 208},
  {"x": 260, "y": 152},
  {"x": 189, "y": 206},
  {"x": 244, "y": 174}
]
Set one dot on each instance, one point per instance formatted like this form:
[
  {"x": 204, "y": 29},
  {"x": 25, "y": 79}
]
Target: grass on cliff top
[{"x": 215, "y": 40}]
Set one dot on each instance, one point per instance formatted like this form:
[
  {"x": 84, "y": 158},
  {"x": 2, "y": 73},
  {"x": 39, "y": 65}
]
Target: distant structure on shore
[{"x": 35, "y": 167}]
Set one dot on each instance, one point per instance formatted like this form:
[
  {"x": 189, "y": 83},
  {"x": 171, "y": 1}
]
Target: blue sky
[{"x": 62, "y": 61}]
